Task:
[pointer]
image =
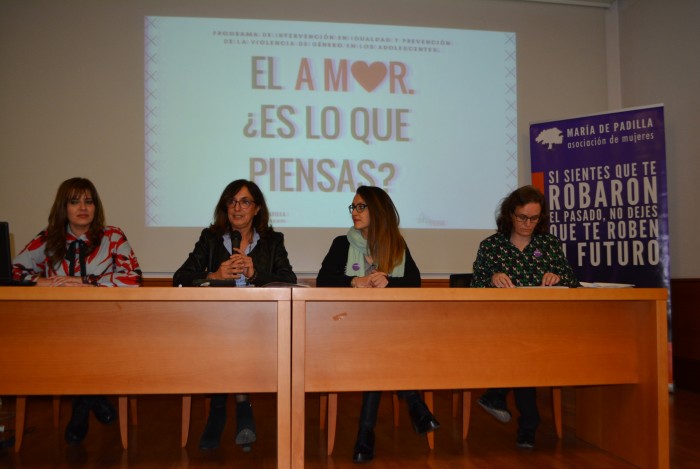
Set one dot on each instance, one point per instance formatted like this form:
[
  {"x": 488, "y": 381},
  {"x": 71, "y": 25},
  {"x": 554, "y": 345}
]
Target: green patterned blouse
[{"x": 525, "y": 269}]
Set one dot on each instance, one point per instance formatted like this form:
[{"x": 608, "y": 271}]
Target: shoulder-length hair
[
  {"x": 385, "y": 243},
  {"x": 72, "y": 188},
  {"x": 261, "y": 221},
  {"x": 519, "y": 197}
]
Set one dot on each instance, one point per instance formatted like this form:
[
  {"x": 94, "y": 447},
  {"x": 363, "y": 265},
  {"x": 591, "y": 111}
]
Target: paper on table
[{"x": 606, "y": 285}]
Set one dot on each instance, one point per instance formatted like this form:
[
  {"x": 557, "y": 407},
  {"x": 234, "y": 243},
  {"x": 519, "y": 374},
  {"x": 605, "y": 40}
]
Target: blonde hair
[{"x": 385, "y": 243}]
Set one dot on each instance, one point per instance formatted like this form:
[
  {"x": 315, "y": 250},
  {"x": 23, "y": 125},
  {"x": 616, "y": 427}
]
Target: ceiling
[{"x": 589, "y": 3}]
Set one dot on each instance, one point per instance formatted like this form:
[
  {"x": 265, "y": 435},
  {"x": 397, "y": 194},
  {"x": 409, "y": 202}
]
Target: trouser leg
[
  {"x": 245, "y": 422},
  {"x": 77, "y": 427},
  {"x": 493, "y": 401},
  {"x": 422, "y": 419},
  {"x": 496, "y": 397},
  {"x": 211, "y": 437},
  {"x": 526, "y": 402},
  {"x": 364, "y": 445},
  {"x": 370, "y": 409}
]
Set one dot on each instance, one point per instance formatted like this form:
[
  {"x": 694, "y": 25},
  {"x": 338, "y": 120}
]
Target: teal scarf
[{"x": 357, "y": 257}]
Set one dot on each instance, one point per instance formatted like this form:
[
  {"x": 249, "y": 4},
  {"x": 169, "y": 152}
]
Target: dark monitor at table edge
[{"x": 6, "y": 259}]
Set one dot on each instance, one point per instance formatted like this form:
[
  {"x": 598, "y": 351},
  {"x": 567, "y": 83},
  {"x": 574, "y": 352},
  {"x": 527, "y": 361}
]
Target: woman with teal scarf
[{"x": 374, "y": 254}]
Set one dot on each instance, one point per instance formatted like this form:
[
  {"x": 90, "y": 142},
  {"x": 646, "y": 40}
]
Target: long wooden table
[
  {"x": 611, "y": 344},
  {"x": 130, "y": 341}
]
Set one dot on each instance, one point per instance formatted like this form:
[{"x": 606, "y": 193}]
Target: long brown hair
[
  {"x": 261, "y": 221},
  {"x": 58, "y": 218},
  {"x": 519, "y": 197},
  {"x": 385, "y": 243}
]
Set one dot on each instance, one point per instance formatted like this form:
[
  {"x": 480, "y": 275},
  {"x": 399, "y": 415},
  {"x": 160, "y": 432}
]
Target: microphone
[{"x": 235, "y": 240}]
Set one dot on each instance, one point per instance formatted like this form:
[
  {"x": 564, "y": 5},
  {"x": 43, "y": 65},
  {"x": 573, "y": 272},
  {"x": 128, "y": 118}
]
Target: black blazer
[
  {"x": 269, "y": 258},
  {"x": 332, "y": 273}
]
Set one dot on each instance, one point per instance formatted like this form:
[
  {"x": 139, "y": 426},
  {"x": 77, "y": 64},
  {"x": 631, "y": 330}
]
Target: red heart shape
[{"x": 369, "y": 76}]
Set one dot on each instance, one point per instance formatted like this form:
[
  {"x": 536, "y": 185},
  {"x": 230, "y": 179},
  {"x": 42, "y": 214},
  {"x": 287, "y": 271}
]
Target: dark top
[
  {"x": 269, "y": 256},
  {"x": 332, "y": 273},
  {"x": 525, "y": 269}
]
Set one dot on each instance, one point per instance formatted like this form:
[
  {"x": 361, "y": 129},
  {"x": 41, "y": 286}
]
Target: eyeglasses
[
  {"x": 524, "y": 218},
  {"x": 245, "y": 204},
  {"x": 359, "y": 207}
]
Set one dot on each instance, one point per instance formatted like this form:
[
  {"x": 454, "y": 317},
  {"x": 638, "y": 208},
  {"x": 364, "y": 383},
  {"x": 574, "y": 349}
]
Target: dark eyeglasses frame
[
  {"x": 524, "y": 218},
  {"x": 359, "y": 207},
  {"x": 245, "y": 203}
]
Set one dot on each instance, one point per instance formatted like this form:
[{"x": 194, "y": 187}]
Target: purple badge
[
  {"x": 537, "y": 253},
  {"x": 356, "y": 266}
]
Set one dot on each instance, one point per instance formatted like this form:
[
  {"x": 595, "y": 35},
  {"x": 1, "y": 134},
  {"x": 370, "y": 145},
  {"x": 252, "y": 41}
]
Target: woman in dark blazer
[{"x": 239, "y": 248}]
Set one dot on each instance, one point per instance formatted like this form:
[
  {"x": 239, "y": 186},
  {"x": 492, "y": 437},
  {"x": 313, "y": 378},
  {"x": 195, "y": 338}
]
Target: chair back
[{"x": 460, "y": 280}]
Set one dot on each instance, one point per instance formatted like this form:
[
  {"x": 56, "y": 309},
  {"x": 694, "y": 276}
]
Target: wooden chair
[
  {"x": 186, "y": 413},
  {"x": 21, "y": 408},
  {"x": 329, "y": 407},
  {"x": 464, "y": 281}
]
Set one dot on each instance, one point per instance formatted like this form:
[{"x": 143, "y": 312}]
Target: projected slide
[{"x": 310, "y": 111}]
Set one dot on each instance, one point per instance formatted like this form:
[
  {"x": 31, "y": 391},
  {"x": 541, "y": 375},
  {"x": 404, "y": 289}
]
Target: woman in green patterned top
[{"x": 521, "y": 253}]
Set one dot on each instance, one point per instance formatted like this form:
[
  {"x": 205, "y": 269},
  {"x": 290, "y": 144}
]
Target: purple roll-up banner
[{"x": 604, "y": 177}]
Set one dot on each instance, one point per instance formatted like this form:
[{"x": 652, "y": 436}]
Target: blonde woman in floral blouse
[{"x": 521, "y": 253}]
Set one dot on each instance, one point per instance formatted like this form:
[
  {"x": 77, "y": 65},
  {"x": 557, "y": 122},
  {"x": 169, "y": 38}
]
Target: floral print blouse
[
  {"x": 543, "y": 254},
  {"x": 112, "y": 264}
]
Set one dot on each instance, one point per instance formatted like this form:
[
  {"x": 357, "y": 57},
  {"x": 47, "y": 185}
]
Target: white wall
[
  {"x": 71, "y": 99},
  {"x": 660, "y": 63}
]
